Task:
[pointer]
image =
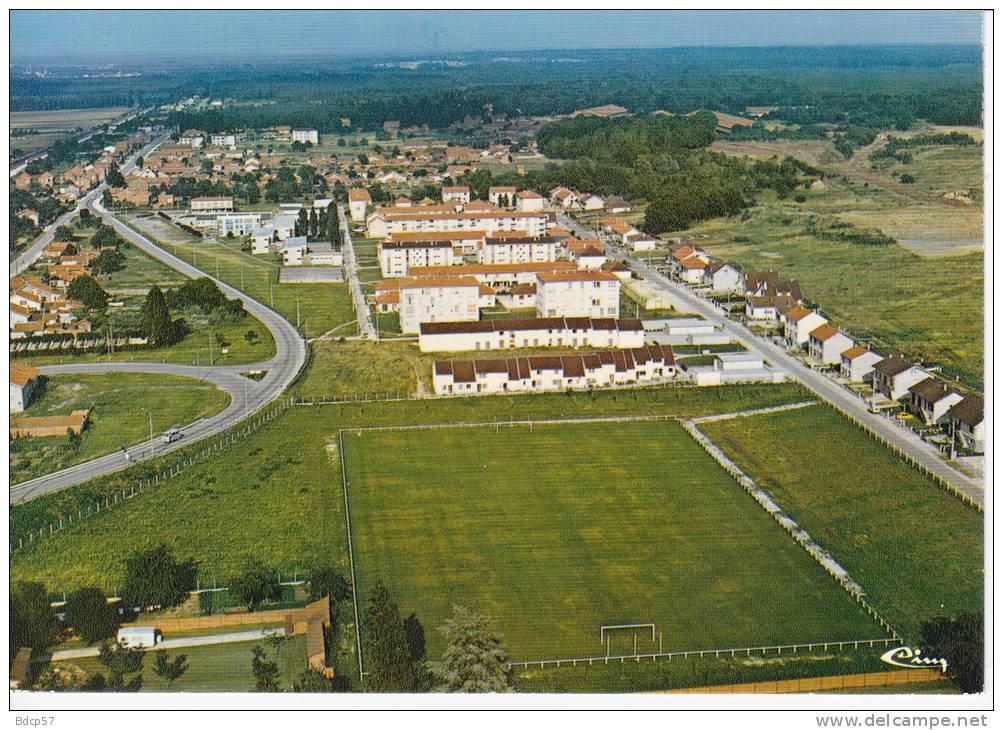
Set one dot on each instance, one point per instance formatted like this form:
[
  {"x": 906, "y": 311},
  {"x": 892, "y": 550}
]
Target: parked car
[{"x": 171, "y": 434}]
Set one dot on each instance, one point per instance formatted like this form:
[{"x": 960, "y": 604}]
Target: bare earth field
[{"x": 64, "y": 119}]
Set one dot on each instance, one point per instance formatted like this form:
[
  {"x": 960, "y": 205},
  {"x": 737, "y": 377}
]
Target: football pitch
[{"x": 559, "y": 529}]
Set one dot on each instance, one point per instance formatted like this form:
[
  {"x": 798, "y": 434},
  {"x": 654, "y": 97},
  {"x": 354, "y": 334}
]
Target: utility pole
[
  {"x": 210, "y": 348},
  {"x": 271, "y": 292},
  {"x": 245, "y": 398},
  {"x": 297, "y": 313},
  {"x": 148, "y": 413}
]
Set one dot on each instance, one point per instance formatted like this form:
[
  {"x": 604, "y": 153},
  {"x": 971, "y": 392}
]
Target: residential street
[
  {"x": 366, "y": 328},
  {"x": 900, "y": 437}
]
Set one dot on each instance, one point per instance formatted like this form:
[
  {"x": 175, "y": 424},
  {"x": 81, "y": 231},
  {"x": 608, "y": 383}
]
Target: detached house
[
  {"x": 966, "y": 419},
  {"x": 24, "y": 381},
  {"x": 798, "y": 324},
  {"x": 930, "y": 399},
  {"x": 857, "y": 363},
  {"x": 826, "y": 344},
  {"x": 723, "y": 277},
  {"x": 893, "y": 377},
  {"x": 358, "y": 200}
]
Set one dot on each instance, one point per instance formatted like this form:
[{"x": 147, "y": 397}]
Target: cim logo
[{"x": 905, "y": 656}]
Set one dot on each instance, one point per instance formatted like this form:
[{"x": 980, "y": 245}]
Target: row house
[
  {"x": 826, "y": 344},
  {"x": 607, "y": 368},
  {"x": 500, "y": 277},
  {"x": 857, "y": 364}
]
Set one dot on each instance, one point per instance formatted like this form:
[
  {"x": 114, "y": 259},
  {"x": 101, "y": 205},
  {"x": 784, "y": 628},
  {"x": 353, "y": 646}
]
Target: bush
[{"x": 87, "y": 611}]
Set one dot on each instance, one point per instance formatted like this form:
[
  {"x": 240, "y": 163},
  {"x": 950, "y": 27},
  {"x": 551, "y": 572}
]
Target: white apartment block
[
  {"x": 306, "y": 135},
  {"x": 212, "y": 205},
  {"x": 439, "y": 299},
  {"x": 456, "y": 194},
  {"x": 223, "y": 140},
  {"x": 528, "y": 201},
  {"x": 498, "y": 276},
  {"x": 578, "y": 294},
  {"x": 502, "y": 334},
  {"x": 382, "y": 224},
  {"x": 502, "y": 194},
  {"x": 517, "y": 250},
  {"x": 398, "y": 257},
  {"x": 238, "y": 224},
  {"x": 606, "y": 368}
]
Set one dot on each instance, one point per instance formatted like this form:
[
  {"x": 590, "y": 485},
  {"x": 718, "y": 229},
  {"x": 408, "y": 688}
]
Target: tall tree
[
  {"x": 88, "y": 292},
  {"x": 33, "y": 623},
  {"x": 415, "y": 633},
  {"x": 88, "y": 613},
  {"x": 156, "y": 318},
  {"x": 256, "y": 584},
  {"x": 114, "y": 176},
  {"x": 154, "y": 577},
  {"x": 325, "y": 580},
  {"x": 302, "y": 223},
  {"x": 474, "y": 659},
  {"x": 390, "y": 667}
]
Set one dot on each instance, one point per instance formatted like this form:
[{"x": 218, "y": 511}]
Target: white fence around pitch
[{"x": 701, "y": 653}]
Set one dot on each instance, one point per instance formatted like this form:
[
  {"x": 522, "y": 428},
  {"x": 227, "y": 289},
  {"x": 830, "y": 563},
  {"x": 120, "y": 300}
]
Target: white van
[
  {"x": 139, "y": 636},
  {"x": 171, "y": 434}
]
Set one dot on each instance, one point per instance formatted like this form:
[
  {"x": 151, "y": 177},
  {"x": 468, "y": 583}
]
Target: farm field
[
  {"x": 321, "y": 307},
  {"x": 219, "y": 667},
  {"x": 64, "y": 119},
  {"x": 211, "y": 511},
  {"x": 505, "y": 521},
  {"x": 915, "y": 549},
  {"x": 117, "y": 418},
  {"x": 930, "y": 308}
]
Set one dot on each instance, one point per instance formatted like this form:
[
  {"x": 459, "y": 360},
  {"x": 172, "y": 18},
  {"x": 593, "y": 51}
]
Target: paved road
[
  {"x": 186, "y": 642},
  {"x": 32, "y": 253},
  {"x": 247, "y": 395},
  {"x": 901, "y": 437},
  {"x": 366, "y": 328}
]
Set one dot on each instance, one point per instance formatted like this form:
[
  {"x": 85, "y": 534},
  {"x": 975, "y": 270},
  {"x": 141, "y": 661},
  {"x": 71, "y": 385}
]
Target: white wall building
[
  {"x": 798, "y": 323},
  {"x": 826, "y": 344},
  {"x": 438, "y": 299},
  {"x": 578, "y": 294},
  {"x": 306, "y": 135},
  {"x": 857, "y": 363},
  {"x": 358, "y": 200},
  {"x": 517, "y": 250},
  {"x": 502, "y": 334},
  {"x": 382, "y": 224},
  {"x": 398, "y": 257}
]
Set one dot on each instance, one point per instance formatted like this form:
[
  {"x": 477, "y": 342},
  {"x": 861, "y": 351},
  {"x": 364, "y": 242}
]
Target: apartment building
[
  {"x": 306, "y": 135},
  {"x": 239, "y": 224},
  {"x": 578, "y": 294},
  {"x": 382, "y": 224},
  {"x": 222, "y": 204},
  {"x": 517, "y": 250},
  {"x": 398, "y": 257},
  {"x": 358, "y": 201},
  {"x": 501, "y": 334},
  {"x": 456, "y": 194},
  {"x": 499, "y": 276},
  {"x": 438, "y": 299}
]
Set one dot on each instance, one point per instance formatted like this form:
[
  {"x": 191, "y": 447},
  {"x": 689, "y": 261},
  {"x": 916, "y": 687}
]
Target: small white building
[
  {"x": 966, "y": 419},
  {"x": 24, "y": 382},
  {"x": 930, "y": 399},
  {"x": 294, "y": 250},
  {"x": 358, "y": 201},
  {"x": 262, "y": 240},
  {"x": 799, "y": 323},
  {"x": 723, "y": 277},
  {"x": 503, "y": 334},
  {"x": 214, "y": 204},
  {"x": 578, "y": 294},
  {"x": 826, "y": 344},
  {"x": 456, "y": 194},
  {"x": 529, "y": 201},
  {"x": 238, "y": 225},
  {"x": 857, "y": 363},
  {"x": 893, "y": 377}
]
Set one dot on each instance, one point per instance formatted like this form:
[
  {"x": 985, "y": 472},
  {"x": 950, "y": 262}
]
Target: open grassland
[
  {"x": 118, "y": 404},
  {"x": 915, "y": 549},
  {"x": 213, "y": 512},
  {"x": 556, "y": 530},
  {"x": 930, "y": 308},
  {"x": 218, "y": 667},
  {"x": 64, "y": 119},
  {"x": 317, "y": 308}
]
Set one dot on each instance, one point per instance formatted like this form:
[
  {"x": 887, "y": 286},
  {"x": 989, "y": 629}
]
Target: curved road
[
  {"x": 925, "y": 455},
  {"x": 246, "y": 395}
]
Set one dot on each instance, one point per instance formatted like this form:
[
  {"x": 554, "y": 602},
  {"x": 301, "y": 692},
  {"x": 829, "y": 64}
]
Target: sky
[{"x": 117, "y": 35}]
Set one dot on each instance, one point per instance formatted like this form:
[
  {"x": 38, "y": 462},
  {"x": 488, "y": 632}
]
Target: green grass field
[
  {"x": 321, "y": 307},
  {"x": 116, "y": 402},
  {"x": 929, "y": 307},
  {"x": 559, "y": 529},
  {"x": 212, "y": 512},
  {"x": 915, "y": 549},
  {"x": 219, "y": 667}
]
